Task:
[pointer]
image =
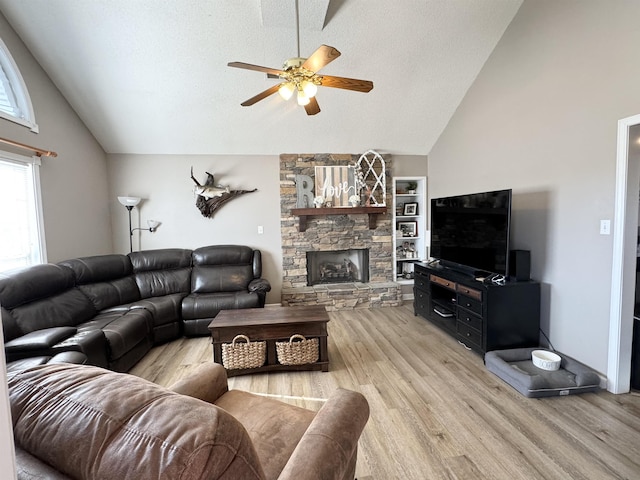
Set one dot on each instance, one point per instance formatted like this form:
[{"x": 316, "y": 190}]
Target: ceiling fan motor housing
[{"x": 294, "y": 62}]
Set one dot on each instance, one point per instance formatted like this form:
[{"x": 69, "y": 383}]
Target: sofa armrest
[
  {"x": 38, "y": 342},
  {"x": 260, "y": 285},
  {"x": 208, "y": 382},
  {"x": 327, "y": 449}
]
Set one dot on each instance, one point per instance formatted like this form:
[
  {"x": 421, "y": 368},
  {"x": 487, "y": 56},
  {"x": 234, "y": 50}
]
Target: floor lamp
[{"x": 129, "y": 203}]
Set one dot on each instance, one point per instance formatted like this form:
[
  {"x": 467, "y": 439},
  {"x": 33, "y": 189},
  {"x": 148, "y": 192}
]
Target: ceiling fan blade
[
  {"x": 321, "y": 57},
  {"x": 261, "y": 96},
  {"x": 257, "y": 68},
  {"x": 312, "y": 107},
  {"x": 346, "y": 83}
]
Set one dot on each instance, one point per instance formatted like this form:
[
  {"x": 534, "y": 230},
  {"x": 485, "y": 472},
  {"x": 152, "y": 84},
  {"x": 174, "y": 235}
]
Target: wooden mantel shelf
[{"x": 303, "y": 213}]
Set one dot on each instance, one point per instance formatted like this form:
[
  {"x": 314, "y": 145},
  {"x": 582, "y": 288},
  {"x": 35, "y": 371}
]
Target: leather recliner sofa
[
  {"x": 75, "y": 421},
  {"x": 114, "y": 308}
]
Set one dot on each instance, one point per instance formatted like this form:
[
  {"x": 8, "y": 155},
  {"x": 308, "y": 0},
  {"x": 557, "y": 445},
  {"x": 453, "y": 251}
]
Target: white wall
[
  {"x": 409, "y": 166},
  {"x": 74, "y": 185},
  {"x": 541, "y": 118}
]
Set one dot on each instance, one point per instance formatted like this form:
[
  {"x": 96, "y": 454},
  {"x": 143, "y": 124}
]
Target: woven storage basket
[
  {"x": 236, "y": 355},
  {"x": 297, "y": 353}
]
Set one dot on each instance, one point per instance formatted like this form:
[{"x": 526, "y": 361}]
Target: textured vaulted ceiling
[{"x": 151, "y": 76}]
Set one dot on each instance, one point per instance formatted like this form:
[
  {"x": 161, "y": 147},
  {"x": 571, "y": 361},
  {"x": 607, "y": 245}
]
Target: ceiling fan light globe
[
  {"x": 286, "y": 90},
  {"x": 302, "y": 99},
  {"x": 309, "y": 88}
]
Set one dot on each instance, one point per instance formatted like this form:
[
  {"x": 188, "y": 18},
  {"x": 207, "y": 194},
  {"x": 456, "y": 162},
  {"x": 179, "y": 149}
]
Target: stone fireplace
[
  {"x": 338, "y": 266},
  {"x": 334, "y": 233}
]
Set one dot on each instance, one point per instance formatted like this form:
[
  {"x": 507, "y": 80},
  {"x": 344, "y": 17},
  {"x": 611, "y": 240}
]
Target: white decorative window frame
[
  {"x": 376, "y": 182},
  {"x": 19, "y": 89}
]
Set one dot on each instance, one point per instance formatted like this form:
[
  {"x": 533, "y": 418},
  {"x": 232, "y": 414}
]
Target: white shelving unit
[{"x": 409, "y": 216}]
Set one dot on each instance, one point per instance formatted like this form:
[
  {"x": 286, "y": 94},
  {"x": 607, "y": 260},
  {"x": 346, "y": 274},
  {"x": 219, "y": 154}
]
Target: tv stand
[
  {"x": 461, "y": 269},
  {"x": 481, "y": 316}
]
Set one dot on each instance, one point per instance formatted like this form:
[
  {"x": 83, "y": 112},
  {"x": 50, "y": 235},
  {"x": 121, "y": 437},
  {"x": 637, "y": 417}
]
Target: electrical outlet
[{"x": 260, "y": 230}]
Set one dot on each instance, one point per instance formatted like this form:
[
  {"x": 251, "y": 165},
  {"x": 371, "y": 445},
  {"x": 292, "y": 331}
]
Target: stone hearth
[{"x": 335, "y": 232}]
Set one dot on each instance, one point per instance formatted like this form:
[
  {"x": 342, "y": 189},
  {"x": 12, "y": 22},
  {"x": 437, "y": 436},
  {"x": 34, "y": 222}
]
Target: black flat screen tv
[{"x": 471, "y": 232}]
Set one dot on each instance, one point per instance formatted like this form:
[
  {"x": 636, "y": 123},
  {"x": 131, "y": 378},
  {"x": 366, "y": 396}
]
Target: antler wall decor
[{"x": 211, "y": 197}]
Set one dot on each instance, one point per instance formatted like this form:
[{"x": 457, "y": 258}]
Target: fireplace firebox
[{"x": 338, "y": 266}]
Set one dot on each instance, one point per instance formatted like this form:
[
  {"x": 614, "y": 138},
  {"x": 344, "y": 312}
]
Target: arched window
[
  {"x": 15, "y": 103},
  {"x": 21, "y": 227}
]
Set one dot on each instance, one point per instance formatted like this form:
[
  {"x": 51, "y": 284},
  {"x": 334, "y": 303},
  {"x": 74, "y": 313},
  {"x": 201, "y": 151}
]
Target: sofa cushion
[
  {"x": 273, "y": 437},
  {"x": 123, "y": 330},
  {"x": 223, "y": 255},
  {"x": 33, "y": 283},
  {"x": 162, "y": 272},
  {"x": 106, "y": 279},
  {"x": 31, "y": 468},
  {"x": 165, "y": 309},
  {"x": 223, "y": 268},
  {"x": 62, "y": 416},
  {"x": 207, "y": 305},
  {"x": 64, "y": 357},
  {"x": 9, "y": 325},
  {"x": 68, "y": 308},
  {"x": 160, "y": 259},
  {"x": 99, "y": 268},
  {"x": 220, "y": 278}
]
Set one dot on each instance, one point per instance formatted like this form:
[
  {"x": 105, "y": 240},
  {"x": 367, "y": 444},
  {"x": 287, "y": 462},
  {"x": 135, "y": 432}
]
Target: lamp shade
[
  {"x": 129, "y": 201},
  {"x": 302, "y": 99},
  {"x": 309, "y": 88},
  {"x": 153, "y": 225},
  {"x": 286, "y": 90}
]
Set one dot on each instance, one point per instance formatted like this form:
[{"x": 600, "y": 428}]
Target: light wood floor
[{"x": 436, "y": 412}]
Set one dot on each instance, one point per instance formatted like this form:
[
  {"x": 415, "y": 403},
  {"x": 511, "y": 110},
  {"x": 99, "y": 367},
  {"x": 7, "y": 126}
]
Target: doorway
[{"x": 625, "y": 233}]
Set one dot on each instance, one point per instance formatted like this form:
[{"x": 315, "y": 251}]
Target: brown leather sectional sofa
[
  {"x": 86, "y": 422},
  {"x": 111, "y": 309}
]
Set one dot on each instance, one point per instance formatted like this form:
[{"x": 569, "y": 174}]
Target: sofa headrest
[
  {"x": 89, "y": 422},
  {"x": 107, "y": 280},
  {"x": 160, "y": 259},
  {"x": 223, "y": 255},
  {"x": 99, "y": 268},
  {"x": 32, "y": 283}
]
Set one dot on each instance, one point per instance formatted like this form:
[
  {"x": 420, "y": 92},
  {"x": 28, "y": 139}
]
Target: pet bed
[{"x": 515, "y": 367}]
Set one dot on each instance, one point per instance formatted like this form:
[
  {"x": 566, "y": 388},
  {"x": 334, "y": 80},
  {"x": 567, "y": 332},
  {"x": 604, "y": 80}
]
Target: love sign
[{"x": 335, "y": 184}]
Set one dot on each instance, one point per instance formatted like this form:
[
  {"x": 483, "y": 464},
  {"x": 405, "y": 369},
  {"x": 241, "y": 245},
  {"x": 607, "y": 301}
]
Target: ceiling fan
[{"x": 301, "y": 75}]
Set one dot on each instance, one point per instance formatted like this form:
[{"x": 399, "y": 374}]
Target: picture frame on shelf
[
  {"x": 408, "y": 229},
  {"x": 410, "y": 209}
]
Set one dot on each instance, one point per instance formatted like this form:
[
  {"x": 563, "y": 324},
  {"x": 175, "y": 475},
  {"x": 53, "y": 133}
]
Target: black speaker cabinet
[{"x": 520, "y": 265}]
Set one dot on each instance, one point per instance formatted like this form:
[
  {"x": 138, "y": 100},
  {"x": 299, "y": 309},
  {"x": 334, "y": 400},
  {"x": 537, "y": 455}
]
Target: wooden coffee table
[{"x": 271, "y": 324}]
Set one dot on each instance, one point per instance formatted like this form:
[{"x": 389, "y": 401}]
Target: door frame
[{"x": 624, "y": 256}]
